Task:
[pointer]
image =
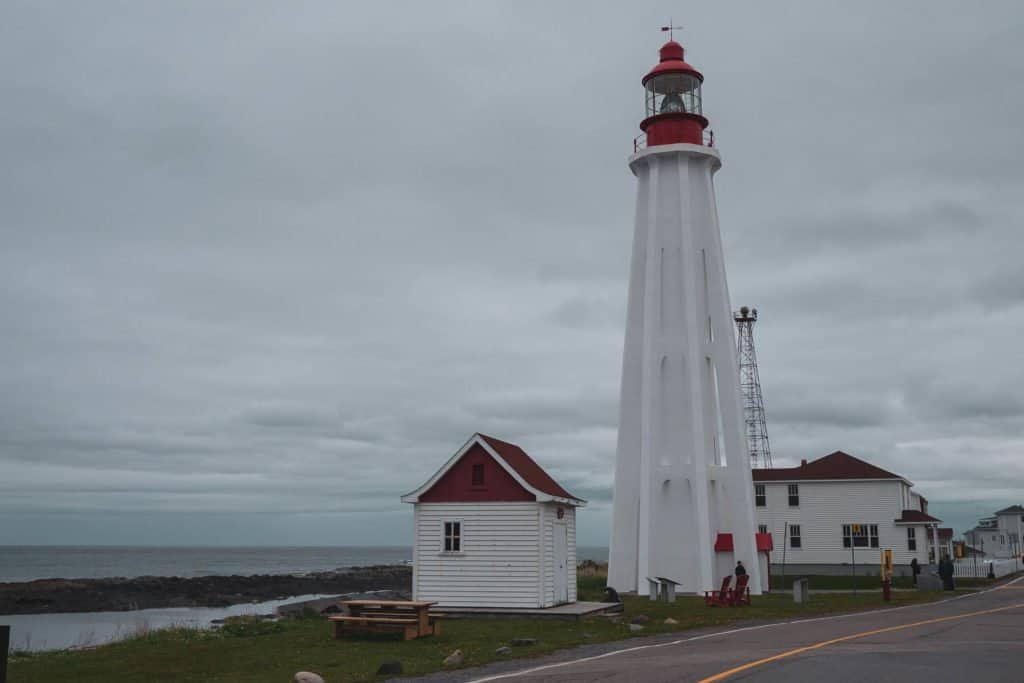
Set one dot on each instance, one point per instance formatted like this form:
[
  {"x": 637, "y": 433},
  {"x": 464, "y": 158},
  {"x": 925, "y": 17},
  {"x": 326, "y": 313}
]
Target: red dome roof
[{"x": 671, "y": 62}]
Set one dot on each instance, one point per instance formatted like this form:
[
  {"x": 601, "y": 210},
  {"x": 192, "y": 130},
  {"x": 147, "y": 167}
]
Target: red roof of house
[
  {"x": 526, "y": 467},
  {"x": 916, "y": 516},
  {"x": 945, "y": 532},
  {"x": 836, "y": 465}
]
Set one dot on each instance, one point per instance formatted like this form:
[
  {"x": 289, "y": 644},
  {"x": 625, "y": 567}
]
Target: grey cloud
[{"x": 258, "y": 259}]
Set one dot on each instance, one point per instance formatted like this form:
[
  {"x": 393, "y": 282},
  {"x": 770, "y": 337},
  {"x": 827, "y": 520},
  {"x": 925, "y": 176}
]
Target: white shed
[{"x": 493, "y": 529}]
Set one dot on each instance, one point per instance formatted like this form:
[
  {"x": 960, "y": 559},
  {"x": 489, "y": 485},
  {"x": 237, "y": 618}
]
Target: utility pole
[{"x": 750, "y": 385}]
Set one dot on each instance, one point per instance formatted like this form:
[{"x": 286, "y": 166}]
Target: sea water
[
  {"x": 37, "y": 632},
  {"x": 67, "y": 630},
  {"x": 25, "y": 563}
]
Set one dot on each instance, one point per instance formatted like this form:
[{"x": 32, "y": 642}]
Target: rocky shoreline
[{"x": 48, "y": 596}]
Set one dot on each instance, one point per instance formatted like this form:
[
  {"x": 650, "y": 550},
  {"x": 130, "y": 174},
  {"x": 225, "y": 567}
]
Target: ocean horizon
[{"x": 31, "y": 562}]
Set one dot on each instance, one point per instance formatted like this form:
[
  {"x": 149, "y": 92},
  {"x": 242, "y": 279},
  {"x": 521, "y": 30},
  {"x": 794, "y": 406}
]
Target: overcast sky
[{"x": 266, "y": 266}]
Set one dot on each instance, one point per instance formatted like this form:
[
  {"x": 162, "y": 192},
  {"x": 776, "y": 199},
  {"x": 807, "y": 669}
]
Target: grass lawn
[
  {"x": 826, "y": 582},
  {"x": 270, "y": 652}
]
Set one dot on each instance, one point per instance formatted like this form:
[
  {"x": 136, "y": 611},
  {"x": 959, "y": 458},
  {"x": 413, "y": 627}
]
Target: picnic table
[{"x": 411, "y": 617}]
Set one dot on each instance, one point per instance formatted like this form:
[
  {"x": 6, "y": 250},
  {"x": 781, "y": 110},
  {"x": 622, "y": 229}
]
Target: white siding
[
  {"x": 825, "y": 506},
  {"x": 549, "y": 518},
  {"x": 500, "y": 558}
]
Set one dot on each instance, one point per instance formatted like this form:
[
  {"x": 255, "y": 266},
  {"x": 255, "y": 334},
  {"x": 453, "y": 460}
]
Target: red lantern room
[{"x": 672, "y": 98}]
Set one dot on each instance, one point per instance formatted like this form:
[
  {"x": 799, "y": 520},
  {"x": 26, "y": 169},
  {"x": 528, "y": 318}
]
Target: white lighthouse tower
[{"x": 683, "y": 507}]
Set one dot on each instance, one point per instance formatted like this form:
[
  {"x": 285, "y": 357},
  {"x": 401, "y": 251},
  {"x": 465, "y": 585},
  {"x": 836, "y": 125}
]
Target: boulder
[
  {"x": 307, "y": 677},
  {"x": 390, "y": 668},
  {"x": 670, "y": 621},
  {"x": 454, "y": 659},
  {"x": 640, "y": 619},
  {"x": 635, "y": 628},
  {"x": 503, "y": 651}
]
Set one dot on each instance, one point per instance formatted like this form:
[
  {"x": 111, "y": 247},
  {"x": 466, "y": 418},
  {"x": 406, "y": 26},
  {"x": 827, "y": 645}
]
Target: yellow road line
[{"x": 725, "y": 674}]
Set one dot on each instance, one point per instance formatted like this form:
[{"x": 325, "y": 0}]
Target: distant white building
[
  {"x": 1000, "y": 535},
  {"x": 493, "y": 529},
  {"x": 831, "y": 512}
]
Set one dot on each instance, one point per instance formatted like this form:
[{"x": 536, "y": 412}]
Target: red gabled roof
[
  {"x": 836, "y": 465},
  {"x": 526, "y": 467},
  {"x": 916, "y": 517},
  {"x": 945, "y": 532}
]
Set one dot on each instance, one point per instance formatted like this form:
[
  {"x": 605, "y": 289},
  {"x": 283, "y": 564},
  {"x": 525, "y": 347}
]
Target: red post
[{"x": 886, "y": 592}]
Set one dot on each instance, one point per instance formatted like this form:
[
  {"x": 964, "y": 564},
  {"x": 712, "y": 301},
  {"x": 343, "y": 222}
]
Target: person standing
[
  {"x": 946, "y": 572},
  {"x": 915, "y": 569}
]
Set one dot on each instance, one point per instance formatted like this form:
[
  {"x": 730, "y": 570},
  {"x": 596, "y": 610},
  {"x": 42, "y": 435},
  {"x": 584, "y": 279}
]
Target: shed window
[
  {"x": 452, "y": 537},
  {"x": 911, "y": 538},
  {"x": 794, "y": 536},
  {"x": 759, "y": 499},
  {"x": 478, "y": 474},
  {"x": 794, "y": 495}
]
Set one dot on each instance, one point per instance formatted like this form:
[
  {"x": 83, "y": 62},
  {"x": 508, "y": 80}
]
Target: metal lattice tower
[{"x": 750, "y": 386}]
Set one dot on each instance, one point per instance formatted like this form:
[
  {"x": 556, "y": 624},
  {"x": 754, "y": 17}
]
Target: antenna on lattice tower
[{"x": 750, "y": 386}]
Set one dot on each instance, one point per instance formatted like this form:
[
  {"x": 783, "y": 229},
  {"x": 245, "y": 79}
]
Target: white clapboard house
[
  {"x": 493, "y": 529},
  {"x": 1000, "y": 535},
  {"x": 838, "y": 510}
]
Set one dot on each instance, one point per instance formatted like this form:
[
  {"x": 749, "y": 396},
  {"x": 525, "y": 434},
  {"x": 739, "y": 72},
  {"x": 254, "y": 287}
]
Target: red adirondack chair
[
  {"x": 720, "y": 597},
  {"x": 740, "y": 595}
]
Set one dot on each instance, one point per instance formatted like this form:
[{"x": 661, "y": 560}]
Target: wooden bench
[
  {"x": 660, "y": 588},
  {"x": 412, "y": 618}
]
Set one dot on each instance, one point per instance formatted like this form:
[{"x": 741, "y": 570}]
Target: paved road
[{"x": 975, "y": 637}]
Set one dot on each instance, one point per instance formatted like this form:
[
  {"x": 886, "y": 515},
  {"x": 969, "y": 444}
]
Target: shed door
[{"x": 561, "y": 560}]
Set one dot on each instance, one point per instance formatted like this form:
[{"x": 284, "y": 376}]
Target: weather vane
[{"x": 670, "y": 28}]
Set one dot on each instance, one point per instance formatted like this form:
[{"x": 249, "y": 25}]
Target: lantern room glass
[{"x": 673, "y": 92}]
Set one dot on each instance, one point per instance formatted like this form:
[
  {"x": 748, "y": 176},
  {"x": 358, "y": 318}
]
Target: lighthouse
[{"x": 683, "y": 504}]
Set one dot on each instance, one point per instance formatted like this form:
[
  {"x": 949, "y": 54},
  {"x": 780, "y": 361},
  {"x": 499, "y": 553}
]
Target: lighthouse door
[{"x": 561, "y": 560}]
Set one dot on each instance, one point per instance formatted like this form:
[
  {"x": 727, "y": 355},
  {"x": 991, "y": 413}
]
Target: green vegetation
[
  {"x": 827, "y": 582},
  {"x": 251, "y": 651}
]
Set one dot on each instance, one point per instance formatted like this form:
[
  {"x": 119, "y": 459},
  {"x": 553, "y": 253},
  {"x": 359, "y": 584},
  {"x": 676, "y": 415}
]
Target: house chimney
[{"x": 803, "y": 463}]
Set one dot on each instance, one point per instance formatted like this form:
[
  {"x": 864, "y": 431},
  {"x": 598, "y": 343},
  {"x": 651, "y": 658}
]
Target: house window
[
  {"x": 1002, "y": 540},
  {"x": 762, "y": 528},
  {"x": 794, "y": 495},
  {"x": 759, "y": 495},
  {"x": 860, "y": 535},
  {"x": 911, "y": 538},
  {"x": 478, "y": 474},
  {"x": 794, "y": 535},
  {"x": 452, "y": 537}
]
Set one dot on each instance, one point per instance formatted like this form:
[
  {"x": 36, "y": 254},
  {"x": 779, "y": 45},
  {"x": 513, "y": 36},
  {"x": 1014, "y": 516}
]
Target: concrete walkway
[{"x": 572, "y": 610}]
